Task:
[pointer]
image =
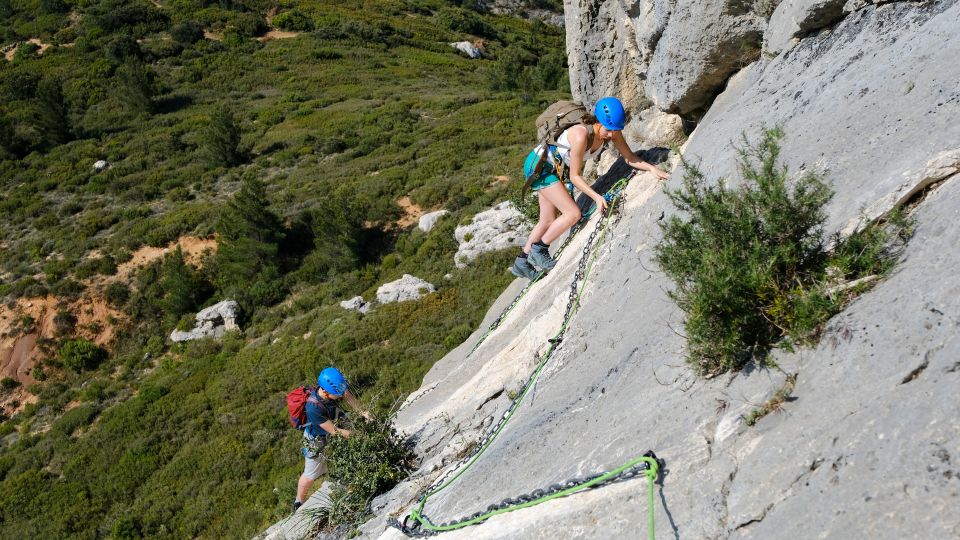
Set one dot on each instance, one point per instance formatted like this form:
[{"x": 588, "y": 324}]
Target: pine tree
[
  {"x": 222, "y": 139},
  {"x": 247, "y": 246},
  {"x": 139, "y": 85},
  {"x": 52, "y": 117},
  {"x": 184, "y": 288}
]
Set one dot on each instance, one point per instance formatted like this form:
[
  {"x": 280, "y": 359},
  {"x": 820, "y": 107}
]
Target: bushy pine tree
[
  {"x": 184, "y": 288},
  {"x": 248, "y": 247},
  {"x": 222, "y": 139}
]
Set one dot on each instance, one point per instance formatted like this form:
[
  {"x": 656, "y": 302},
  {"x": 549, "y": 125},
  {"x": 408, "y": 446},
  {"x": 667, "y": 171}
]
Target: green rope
[
  {"x": 650, "y": 472},
  {"x": 652, "y": 465}
]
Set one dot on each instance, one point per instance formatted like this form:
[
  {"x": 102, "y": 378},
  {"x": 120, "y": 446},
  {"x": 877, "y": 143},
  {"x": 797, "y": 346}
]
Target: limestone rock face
[
  {"x": 869, "y": 399},
  {"x": 213, "y": 321},
  {"x": 609, "y": 47},
  {"x": 498, "y": 228},
  {"x": 356, "y": 304},
  {"x": 406, "y": 288},
  {"x": 867, "y": 445},
  {"x": 703, "y": 44},
  {"x": 467, "y": 48},
  {"x": 429, "y": 220},
  {"x": 795, "y": 18}
]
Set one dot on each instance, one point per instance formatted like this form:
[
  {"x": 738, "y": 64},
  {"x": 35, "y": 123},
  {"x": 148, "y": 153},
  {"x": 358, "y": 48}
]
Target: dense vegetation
[
  {"x": 294, "y": 153},
  {"x": 751, "y": 264}
]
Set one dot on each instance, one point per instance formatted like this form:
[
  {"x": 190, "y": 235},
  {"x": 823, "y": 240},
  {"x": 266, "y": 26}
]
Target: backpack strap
[{"x": 538, "y": 168}]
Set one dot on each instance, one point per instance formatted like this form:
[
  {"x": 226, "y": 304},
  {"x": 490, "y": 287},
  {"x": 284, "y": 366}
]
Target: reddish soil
[
  {"x": 192, "y": 246},
  {"x": 411, "y": 213},
  {"x": 11, "y": 52}
]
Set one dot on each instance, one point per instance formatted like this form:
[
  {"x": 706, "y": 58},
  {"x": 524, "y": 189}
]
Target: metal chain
[
  {"x": 581, "y": 268},
  {"x": 572, "y": 304},
  {"x": 611, "y": 195},
  {"x": 641, "y": 469}
]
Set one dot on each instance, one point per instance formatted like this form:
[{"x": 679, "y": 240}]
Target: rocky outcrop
[
  {"x": 429, "y": 220},
  {"x": 523, "y": 9},
  {"x": 404, "y": 289},
  {"x": 214, "y": 321},
  {"x": 794, "y": 19},
  {"x": 865, "y": 447},
  {"x": 703, "y": 44},
  {"x": 468, "y": 49},
  {"x": 498, "y": 228},
  {"x": 356, "y": 303}
]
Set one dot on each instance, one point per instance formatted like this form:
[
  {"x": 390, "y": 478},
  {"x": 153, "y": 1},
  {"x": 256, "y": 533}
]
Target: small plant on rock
[{"x": 370, "y": 462}]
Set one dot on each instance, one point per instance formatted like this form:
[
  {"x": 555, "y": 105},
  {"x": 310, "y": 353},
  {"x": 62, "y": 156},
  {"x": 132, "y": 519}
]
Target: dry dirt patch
[
  {"x": 10, "y": 52},
  {"x": 411, "y": 213},
  {"x": 193, "y": 250}
]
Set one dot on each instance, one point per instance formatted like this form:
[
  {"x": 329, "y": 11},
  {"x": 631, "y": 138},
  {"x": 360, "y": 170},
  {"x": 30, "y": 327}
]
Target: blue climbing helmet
[
  {"x": 609, "y": 111},
  {"x": 332, "y": 381}
]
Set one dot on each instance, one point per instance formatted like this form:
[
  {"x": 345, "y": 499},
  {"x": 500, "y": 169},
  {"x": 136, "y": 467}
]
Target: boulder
[
  {"x": 794, "y": 19},
  {"x": 429, "y": 220},
  {"x": 213, "y": 321},
  {"x": 501, "y": 227},
  {"x": 467, "y": 48},
  {"x": 406, "y": 288},
  {"x": 356, "y": 304},
  {"x": 100, "y": 165},
  {"x": 704, "y": 43}
]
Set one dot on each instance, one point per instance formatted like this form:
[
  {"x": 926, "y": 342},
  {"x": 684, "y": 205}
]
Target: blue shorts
[{"x": 548, "y": 175}]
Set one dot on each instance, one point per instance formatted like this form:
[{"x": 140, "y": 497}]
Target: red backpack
[{"x": 297, "y": 405}]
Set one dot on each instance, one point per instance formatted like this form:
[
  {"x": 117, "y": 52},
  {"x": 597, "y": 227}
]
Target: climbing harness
[
  {"x": 648, "y": 464},
  {"x": 611, "y": 195}
]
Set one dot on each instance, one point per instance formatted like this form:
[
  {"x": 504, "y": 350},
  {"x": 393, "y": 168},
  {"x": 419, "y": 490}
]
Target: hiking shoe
[
  {"x": 296, "y": 506},
  {"x": 540, "y": 256},
  {"x": 523, "y": 269}
]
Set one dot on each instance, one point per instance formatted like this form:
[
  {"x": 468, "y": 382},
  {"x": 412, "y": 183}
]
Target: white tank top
[{"x": 563, "y": 148}]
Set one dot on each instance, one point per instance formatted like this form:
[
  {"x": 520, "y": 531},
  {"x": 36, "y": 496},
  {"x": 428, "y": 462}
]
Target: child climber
[
  {"x": 321, "y": 411},
  {"x": 574, "y": 146}
]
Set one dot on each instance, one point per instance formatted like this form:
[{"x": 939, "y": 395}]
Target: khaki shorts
[{"x": 315, "y": 463}]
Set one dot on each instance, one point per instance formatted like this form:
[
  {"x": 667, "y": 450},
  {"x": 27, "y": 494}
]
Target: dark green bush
[
  {"x": 294, "y": 20},
  {"x": 9, "y": 383},
  {"x": 81, "y": 355},
  {"x": 739, "y": 253},
  {"x": 187, "y": 32},
  {"x": 750, "y": 264},
  {"x": 370, "y": 462}
]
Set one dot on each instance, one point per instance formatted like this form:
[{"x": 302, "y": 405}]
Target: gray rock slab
[
  {"x": 609, "y": 46},
  {"x": 871, "y": 102},
  {"x": 299, "y": 525},
  {"x": 794, "y": 19},
  {"x": 703, "y": 43},
  {"x": 357, "y": 303},
  {"x": 500, "y": 227},
  {"x": 467, "y": 48}
]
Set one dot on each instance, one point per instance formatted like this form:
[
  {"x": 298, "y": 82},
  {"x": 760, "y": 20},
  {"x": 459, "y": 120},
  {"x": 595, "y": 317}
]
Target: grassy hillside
[{"x": 286, "y": 133}]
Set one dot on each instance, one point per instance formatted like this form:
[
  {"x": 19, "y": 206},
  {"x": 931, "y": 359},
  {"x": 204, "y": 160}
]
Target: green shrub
[
  {"x": 740, "y": 253},
  {"x": 187, "y": 32},
  {"x": 294, "y": 20},
  {"x": 9, "y": 383},
  {"x": 750, "y": 264},
  {"x": 370, "y": 462},
  {"x": 80, "y": 355}
]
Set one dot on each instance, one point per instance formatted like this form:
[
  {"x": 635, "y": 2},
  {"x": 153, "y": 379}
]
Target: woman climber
[{"x": 573, "y": 147}]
